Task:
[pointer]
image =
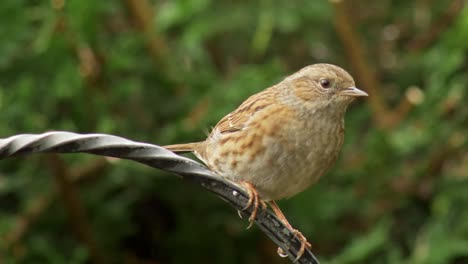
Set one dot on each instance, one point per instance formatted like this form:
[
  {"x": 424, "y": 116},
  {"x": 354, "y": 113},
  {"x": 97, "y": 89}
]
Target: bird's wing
[{"x": 240, "y": 118}]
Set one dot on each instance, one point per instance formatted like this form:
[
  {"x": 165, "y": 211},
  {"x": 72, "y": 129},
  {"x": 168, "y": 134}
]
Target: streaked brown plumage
[{"x": 283, "y": 139}]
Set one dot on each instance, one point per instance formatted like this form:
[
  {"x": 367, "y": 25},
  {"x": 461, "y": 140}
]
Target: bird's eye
[{"x": 325, "y": 83}]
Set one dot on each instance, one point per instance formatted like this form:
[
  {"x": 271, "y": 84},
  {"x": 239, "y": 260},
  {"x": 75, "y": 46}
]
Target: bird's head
[{"x": 322, "y": 85}]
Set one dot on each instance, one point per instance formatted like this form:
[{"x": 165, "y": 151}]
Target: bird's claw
[
  {"x": 254, "y": 202},
  {"x": 304, "y": 243}
]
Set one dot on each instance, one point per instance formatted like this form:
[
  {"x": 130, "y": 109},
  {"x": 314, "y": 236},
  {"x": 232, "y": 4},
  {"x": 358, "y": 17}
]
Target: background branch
[
  {"x": 383, "y": 117},
  {"x": 142, "y": 15},
  {"x": 438, "y": 27},
  {"x": 74, "y": 208}
]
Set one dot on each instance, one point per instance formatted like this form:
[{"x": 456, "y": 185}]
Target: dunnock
[{"x": 283, "y": 139}]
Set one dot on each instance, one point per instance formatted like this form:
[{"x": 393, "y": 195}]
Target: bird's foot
[
  {"x": 254, "y": 202},
  {"x": 295, "y": 232},
  {"x": 304, "y": 245}
]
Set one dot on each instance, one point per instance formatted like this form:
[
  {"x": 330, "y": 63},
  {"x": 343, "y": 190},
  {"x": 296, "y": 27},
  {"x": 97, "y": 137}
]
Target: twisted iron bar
[{"x": 161, "y": 158}]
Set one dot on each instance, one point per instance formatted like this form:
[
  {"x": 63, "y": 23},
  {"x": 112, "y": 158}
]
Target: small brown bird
[{"x": 283, "y": 139}]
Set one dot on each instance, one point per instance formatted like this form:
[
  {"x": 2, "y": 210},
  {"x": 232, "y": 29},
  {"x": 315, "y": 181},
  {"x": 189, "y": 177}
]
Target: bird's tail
[{"x": 183, "y": 148}]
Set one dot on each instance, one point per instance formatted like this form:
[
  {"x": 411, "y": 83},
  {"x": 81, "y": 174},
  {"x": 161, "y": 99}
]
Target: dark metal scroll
[{"x": 161, "y": 158}]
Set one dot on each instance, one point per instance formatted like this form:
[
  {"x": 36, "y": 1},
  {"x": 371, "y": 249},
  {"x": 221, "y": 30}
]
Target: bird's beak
[{"x": 353, "y": 91}]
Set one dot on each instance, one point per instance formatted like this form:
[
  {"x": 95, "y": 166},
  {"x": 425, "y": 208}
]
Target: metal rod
[{"x": 161, "y": 158}]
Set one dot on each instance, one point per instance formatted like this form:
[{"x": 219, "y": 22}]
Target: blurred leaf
[{"x": 364, "y": 246}]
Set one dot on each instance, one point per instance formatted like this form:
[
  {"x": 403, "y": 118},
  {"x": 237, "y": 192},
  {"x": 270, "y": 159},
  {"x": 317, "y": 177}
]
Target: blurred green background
[{"x": 165, "y": 71}]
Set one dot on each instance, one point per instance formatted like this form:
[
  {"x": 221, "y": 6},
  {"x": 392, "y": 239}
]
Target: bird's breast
[
  {"x": 282, "y": 159},
  {"x": 308, "y": 152}
]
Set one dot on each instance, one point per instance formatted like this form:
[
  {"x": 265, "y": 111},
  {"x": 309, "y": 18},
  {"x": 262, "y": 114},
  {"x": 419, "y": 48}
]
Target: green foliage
[{"x": 168, "y": 72}]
